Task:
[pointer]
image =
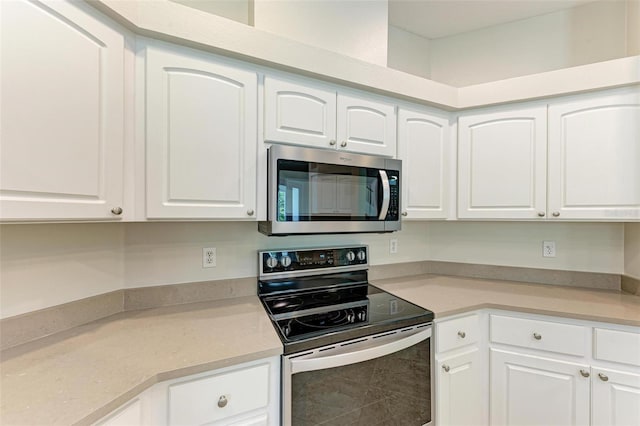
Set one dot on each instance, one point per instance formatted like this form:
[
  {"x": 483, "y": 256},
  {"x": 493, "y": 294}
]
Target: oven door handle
[
  {"x": 386, "y": 195},
  {"x": 357, "y": 352}
]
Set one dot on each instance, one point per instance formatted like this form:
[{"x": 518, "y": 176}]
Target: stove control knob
[
  {"x": 271, "y": 262},
  {"x": 351, "y": 318},
  {"x": 362, "y": 316},
  {"x": 351, "y": 256},
  {"x": 362, "y": 255},
  {"x": 285, "y": 261}
]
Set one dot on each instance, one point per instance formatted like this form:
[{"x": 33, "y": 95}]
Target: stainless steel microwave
[{"x": 314, "y": 191}]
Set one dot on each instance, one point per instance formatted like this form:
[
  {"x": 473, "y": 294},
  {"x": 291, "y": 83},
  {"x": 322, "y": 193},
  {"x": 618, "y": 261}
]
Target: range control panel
[{"x": 283, "y": 261}]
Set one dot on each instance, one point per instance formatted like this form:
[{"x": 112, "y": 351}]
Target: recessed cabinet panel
[
  {"x": 423, "y": 147},
  {"x": 62, "y": 112},
  {"x": 502, "y": 164},
  {"x": 616, "y": 400},
  {"x": 299, "y": 114},
  {"x": 594, "y": 157},
  {"x": 459, "y": 393},
  {"x": 529, "y": 390},
  {"x": 200, "y": 136},
  {"x": 366, "y": 126}
]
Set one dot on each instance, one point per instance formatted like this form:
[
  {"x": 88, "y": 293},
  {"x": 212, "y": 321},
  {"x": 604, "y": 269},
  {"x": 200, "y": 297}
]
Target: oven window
[
  {"x": 326, "y": 192},
  {"x": 390, "y": 390}
]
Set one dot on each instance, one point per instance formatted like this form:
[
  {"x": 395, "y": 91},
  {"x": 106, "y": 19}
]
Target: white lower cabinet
[
  {"x": 240, "y": 395},
  {"x": 459, "y": 372},
  {"x": 616, "y": 398},
  {"x": 459, "y": 401},
  {"x": 531, "y": 390}
]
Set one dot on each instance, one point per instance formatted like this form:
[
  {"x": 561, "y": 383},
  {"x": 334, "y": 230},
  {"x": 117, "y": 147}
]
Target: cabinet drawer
[
  {"x": 541, "y": 335},
  {"x": 456, "y": 333},
  {"x": 202, "y": 401},
  {"x": 617, "y": 346}
]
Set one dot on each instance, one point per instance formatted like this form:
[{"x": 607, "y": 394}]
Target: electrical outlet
[
  {"x": 209, "y": 257},
  {"x": 549, "y": 249},
  {"x": 393, "y": 245}
]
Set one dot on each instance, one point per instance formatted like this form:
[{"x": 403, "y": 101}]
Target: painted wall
[
  {"x": 632, "y": 250},
  {"x": 238, "y": 10},
  {"x": 49, "y": 264},
  {"x": 633, "y": 27},
  {"x": 353, "y": 28},
  {"x": 408, "y": 52},
  {"x": 46, "y": 265},
  {"x": 591, "y": 33}
]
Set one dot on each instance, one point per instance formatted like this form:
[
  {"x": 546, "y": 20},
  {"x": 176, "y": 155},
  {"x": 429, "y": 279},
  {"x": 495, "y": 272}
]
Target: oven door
[
  {"x": 382, "y": 379},
  {"x": 314, "y": 191}
]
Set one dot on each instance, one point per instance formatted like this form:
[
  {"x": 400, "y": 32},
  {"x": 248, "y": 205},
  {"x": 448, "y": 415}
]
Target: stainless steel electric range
[{"x": 353, "y": 353}]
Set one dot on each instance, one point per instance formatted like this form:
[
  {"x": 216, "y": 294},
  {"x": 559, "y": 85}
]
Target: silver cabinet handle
[
  {"x": 541, "y": 214},
  {"x": 446, "y": 368},
  {"x": 250, "y": 212},
  {"x": 222, "y": 401},
  {"x": 343, "y": 144},
  {"x": 117, "y": 211},
  {"x": 603, "y": 377},
  {"x": 332, "y": 142},
  {"x": 537, "y": 336},
  {"x": 584, "y": 373},
  {"x": 462, "y": 334},
  {"x": 555, "y": 214},
  {"x": 405, "y": 214}
]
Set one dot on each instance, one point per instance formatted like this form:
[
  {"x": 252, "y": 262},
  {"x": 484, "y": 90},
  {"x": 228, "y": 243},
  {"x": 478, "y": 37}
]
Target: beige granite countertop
[
  {"x": 82, "y": 374},
  {"x": 449, "y": 295}
]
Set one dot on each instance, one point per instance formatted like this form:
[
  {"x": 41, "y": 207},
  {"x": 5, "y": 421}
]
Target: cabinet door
[
  {"x": 459, "y": 390},
  {"x": 529, "y": 390},
  {"x": 616, "y": 398},
  {"x": 366, "y": 126},
  {"x": 594, "y": 157},
  {"x": 423, "y": 147},
  {"x": 502, "y": 164},
  {"x": 201, "y": 136},
  {"x": 62, "y": 112},
  {"x": 299, "y": 114},
  {"x": 130, "y": 415}
]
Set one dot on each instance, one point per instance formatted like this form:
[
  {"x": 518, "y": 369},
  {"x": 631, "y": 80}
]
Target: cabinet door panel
[
  {"x": 62, "y": 114},
  {"x": 423, "y": 147},
  {"x": 366, "y": 126},
  {"x": 529, "y": 390},
  {"x": 502, "y": 164},
  {"x": 201, "y": 137},
  {"x": 459, "y": 394},
  {"x": 298, "y": 114},
  {"x": 594, "y": 155},
  {"x": 616, "y": 401}
]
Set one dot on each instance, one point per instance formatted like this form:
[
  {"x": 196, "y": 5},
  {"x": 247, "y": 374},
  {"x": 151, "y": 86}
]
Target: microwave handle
[{"x": 386, "y": 194}]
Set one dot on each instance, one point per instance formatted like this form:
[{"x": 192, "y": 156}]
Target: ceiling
[{"x": 441, "y": 18}]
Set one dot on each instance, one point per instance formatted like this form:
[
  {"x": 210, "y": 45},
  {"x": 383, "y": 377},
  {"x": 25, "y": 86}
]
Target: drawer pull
[
  {"x": 584, "y": 373},
  {"x": 603, "y": 377},
  {"x": 332, "y": 142},
  {"x": 343, "y": 144},
  {"x": 117, "y": 211},
  {"x": 222, "y": 401},
  {"x": 446, "y": 368},
  {"x": 537, "y": 336},
  {"x": 462, "y": 334}
]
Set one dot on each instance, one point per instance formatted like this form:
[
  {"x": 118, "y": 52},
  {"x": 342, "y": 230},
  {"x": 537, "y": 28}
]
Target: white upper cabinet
[
  {"x": 62, "y": 113},
  {"x": 425, "y": 151},
  {"x": 201, "y": 137},
  {"x": 594, "y": 156},
  {"x": 366, "y": 126},
  {"x": 318, "y": 117},
  {"x": 298, "y": 114},
  {"x": 502, "y": 163}
]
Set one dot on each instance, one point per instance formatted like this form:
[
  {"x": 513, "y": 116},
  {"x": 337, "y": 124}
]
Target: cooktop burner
[{"x": 330, "y": 303}]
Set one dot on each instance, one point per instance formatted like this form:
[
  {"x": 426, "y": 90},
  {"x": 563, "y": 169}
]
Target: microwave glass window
[{"x": 324, "y": 192}]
